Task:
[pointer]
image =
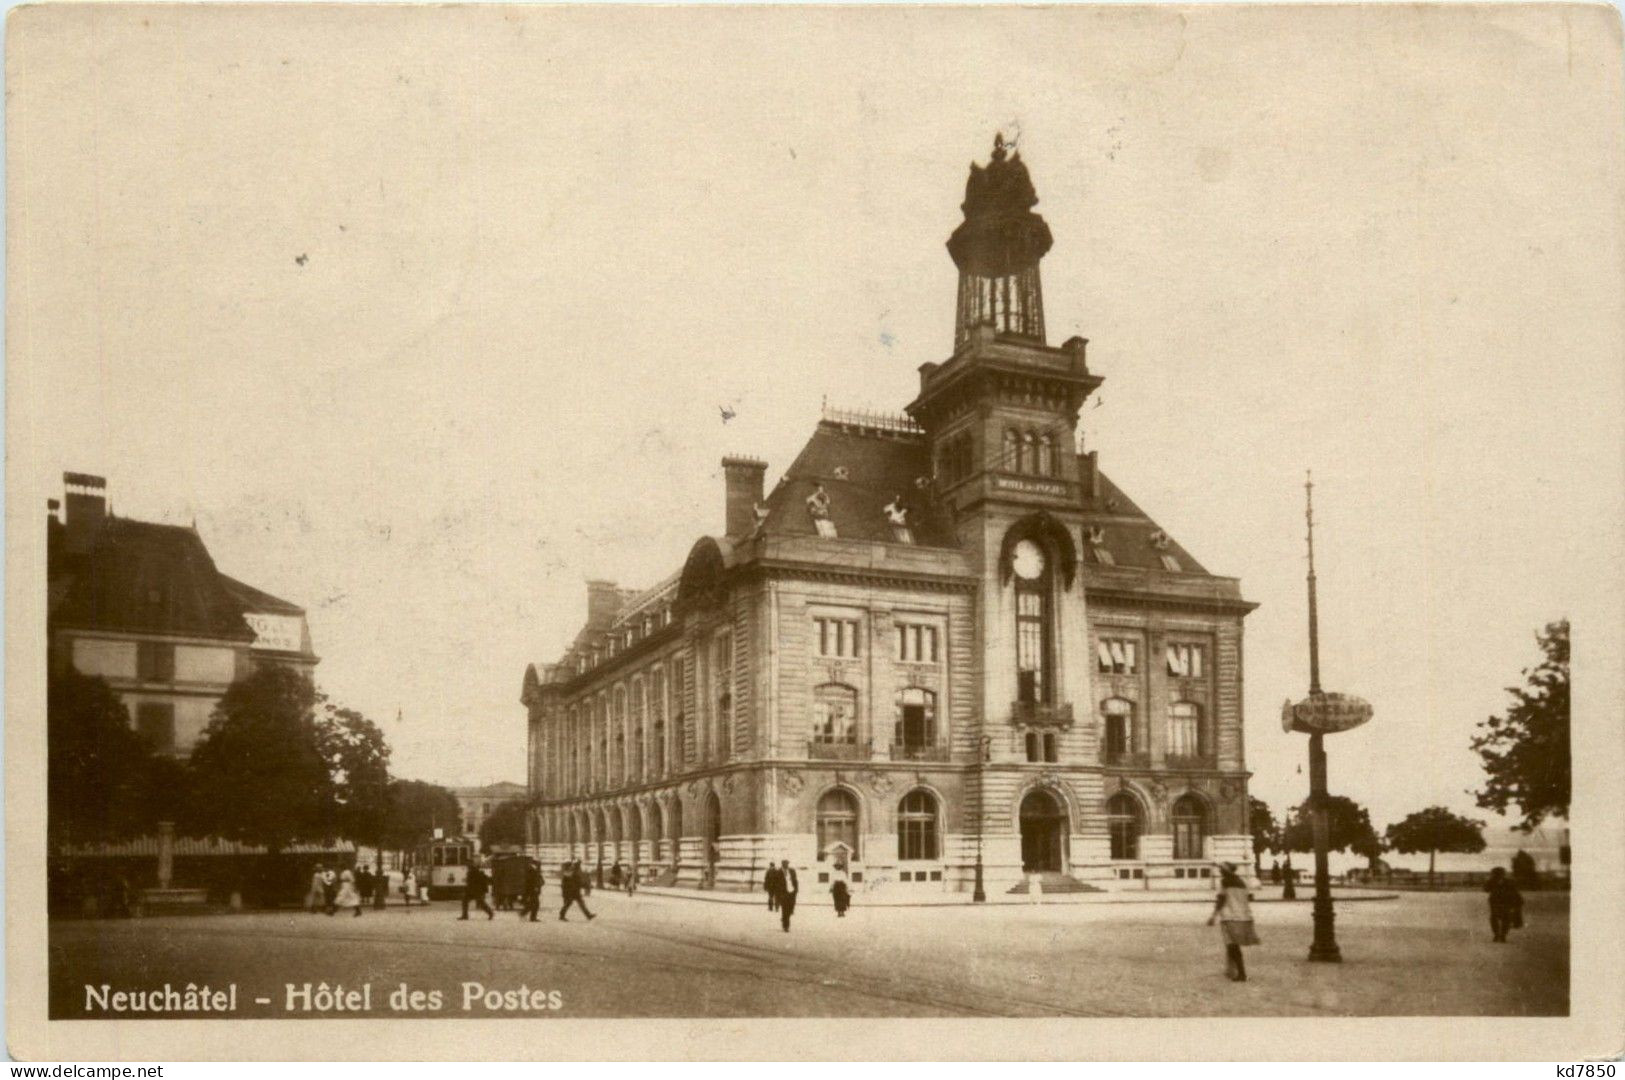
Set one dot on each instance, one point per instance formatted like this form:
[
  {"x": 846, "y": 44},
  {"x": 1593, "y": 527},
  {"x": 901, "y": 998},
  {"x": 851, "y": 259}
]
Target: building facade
[
  {"x": 143, "y": 606},
  {"x": 476, "y": 803},
  {"x": 945, "y": 645}
]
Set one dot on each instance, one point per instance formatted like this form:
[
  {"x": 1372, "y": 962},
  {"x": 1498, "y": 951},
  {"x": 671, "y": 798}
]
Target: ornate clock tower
[{"x": 1000, "y": 416}]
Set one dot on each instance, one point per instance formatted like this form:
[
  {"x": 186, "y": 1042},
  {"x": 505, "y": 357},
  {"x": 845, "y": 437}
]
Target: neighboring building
[
  {"x": 478, "y": 802},
  {"x": 943, "y": 637},
  {"x": 143, "y": 606}
]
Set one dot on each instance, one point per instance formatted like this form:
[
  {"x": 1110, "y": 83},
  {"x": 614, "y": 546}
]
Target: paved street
[{"x": 653, "y": 956}]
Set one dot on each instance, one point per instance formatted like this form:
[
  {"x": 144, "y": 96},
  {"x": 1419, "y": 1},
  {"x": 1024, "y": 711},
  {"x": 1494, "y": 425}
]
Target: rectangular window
[
  {"x": 1117, "y": 656},
  {"x": 1034, "y": 749},
  {"x": 1050, "y": 754},
  {"x": 155, "y": 722},
  {"x": 825, "y": 527},
  {"x": 916, "y": 644},
  {"x": 1186, "y": 661},
  {"x": 155, "y": 661},
  {"x": 837, "y": 637}
]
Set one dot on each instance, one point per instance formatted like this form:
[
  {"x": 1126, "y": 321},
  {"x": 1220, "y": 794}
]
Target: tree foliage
[
  {"x": 102, "y": 780},
  {"x": 357, "y": 759},
  {"x": 416, "y": 809},
  {"x": 1348, "y": 824},
  {"x": 1433, "y": 830},
  {"x": 1265, "y": 829},
  {"x": 1526, "y": 751},
  {"x": 505, "y": 824},
  {"x": 261, "y": 774}
]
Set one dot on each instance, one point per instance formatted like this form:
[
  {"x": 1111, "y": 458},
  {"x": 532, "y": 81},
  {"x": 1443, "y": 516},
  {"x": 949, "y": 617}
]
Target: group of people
[
  {"x": 1232, "y": 910},
  {"x": 333, "y": 889}
]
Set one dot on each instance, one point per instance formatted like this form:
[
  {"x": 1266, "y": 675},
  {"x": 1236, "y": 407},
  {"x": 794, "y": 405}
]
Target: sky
[{"x": 427, "y": 316}]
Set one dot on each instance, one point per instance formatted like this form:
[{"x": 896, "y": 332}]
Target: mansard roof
[
  {"x": 862, "y": 470},
  {"x": 145, "y": 577}
]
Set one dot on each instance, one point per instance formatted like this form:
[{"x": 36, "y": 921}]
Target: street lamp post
[
  {"x": 1320, "y": 714},
  {"x": 979, "y": 895}
]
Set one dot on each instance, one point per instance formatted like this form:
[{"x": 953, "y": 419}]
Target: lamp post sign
[
  {"x": 1318, "y": 715},
  {"x": 1325, "y": 714}
]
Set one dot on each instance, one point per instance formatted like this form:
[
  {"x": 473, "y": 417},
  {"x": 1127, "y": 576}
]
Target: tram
[{"x": 446, "y": 863}]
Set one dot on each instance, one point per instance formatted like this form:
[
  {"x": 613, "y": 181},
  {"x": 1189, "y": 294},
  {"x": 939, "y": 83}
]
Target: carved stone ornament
[
  {"x": 793, "y": 783},
  {"x": 879, "y": 781},
  {"x": 728, "y": 783},
  {"x": 1228, "y": 790},
  {"x": 1159, "y": 791},
  {"x": 694, "y": 788}
]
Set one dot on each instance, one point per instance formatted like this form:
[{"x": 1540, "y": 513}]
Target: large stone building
[
  {"x": 143, "y": 606},
  {"x": 943, "y": 640}
]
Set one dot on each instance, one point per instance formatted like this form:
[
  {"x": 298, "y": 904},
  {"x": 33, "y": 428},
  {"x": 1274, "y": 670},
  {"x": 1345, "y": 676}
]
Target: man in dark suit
[
  {"x": 773, "y": 881},
  {"x": 474, "y": 890},
  {"x": 787, "y": 893},
  {"x": 571, "y": 881},
  {"x": 533, "y": 889}
]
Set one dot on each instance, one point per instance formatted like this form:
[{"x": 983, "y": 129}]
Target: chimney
[
  {"x": 743, "y": 481},
  {"x": 603, "y": 602},
  {"x": 1093, "y": 477},
  {"x": 86, "y": 509}
]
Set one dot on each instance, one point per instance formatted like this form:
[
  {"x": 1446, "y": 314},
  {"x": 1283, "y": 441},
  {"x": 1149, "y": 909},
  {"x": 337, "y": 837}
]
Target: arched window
[
  {"x": 722, "y": 694},
  {"x": 1124, "y": 824},
  {"x": 837, "y": 823},
  {"x": 1012, "y": 452},
  {"x": 917, "y": 826},
  {"x": 915, "y": 730},
  {"x": 1119, "y": 717},
  {"x": 1033, "y": 575},
  {"x": 1046, "y": 455},
  {"x": 640, "y": 716},
  {"x": 1190, "y": 827},
  {"x": 657, "y": 748},
  {"x": 1184, "y": 729},
  {"x": 835, "y": 714},
  {"x": 657, "y": 832},
  {"x": 1029, "y": 453}
]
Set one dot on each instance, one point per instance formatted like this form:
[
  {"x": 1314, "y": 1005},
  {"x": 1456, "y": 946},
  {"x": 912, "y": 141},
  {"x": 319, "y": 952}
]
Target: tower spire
[{"x": 997, "y": 249}]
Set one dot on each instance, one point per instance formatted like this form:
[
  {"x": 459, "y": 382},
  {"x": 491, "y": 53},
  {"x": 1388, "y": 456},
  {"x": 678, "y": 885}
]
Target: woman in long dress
[
  {"x": 1234, "y": 913},
  {"x": 348, "y": 896},
  {"x": 316, "y": 899},
  {"x": 409, "y": 886}
]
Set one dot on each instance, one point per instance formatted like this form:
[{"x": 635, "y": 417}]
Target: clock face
[{"x": 1028, "y": 560}]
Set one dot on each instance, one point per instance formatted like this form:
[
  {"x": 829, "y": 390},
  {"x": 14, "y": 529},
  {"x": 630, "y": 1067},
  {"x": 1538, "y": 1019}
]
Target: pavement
[
  {"x": 1419, "y": 954},
  {"x": 905, "y": 898}
]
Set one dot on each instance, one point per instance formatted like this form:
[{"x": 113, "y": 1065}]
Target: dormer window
[
  {"x": 897, "y": 514},
  {"x": 818, "y": 509}
]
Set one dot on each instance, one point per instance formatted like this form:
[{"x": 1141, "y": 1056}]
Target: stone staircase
[{"x": 1050, "y": 883}]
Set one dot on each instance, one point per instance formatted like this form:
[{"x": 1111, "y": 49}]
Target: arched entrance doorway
[{"x": 1043, "y": 833}]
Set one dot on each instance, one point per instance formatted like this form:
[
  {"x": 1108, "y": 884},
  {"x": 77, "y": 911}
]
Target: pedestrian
[
  {"x": 572, "y": 880},
  {"x": 474, "y": 890},
  {"x": 330, "y": 889},
  {"x": 632, "y": 881},
  {"x": 380, "y": 888},
  {"x": 842, "y": 894},
  {"x": 348, "y": 896},
  {"x": 363, "y": 884},
  {"x": 1275, "y": 871},
  {"x": 1506, "y": 904},
  {"x": 316, "y": 899},
  {"x": 533, "y": 889},
  {"x": 772, "y": 882},
  {"x": 1289, "y": 890},
  {"x": 1232, "y": 910},
  {"x": 409, "y": 886},
  {"x": 615, "y": 875},
  {"x": 787, "y": 893}
]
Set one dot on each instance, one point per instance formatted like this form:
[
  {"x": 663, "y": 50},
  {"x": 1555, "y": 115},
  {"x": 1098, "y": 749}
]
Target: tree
[
  {"x": 1265, "y": 829},
  {"x": 1348, "y": 828},
  {"x": 1434, "y": 830},
  {"x": 1526, "y": 752},
  {"x": 358, "y": 761},
  {"x": 261, "y": 768},
  {"x": 416, "y": 809},
  {"x": 99, "y": 774},
  {"x": 505, "y": 824}
]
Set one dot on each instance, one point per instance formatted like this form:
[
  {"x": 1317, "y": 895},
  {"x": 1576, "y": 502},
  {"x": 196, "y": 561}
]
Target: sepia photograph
[{"x": 872, "y": 516}]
